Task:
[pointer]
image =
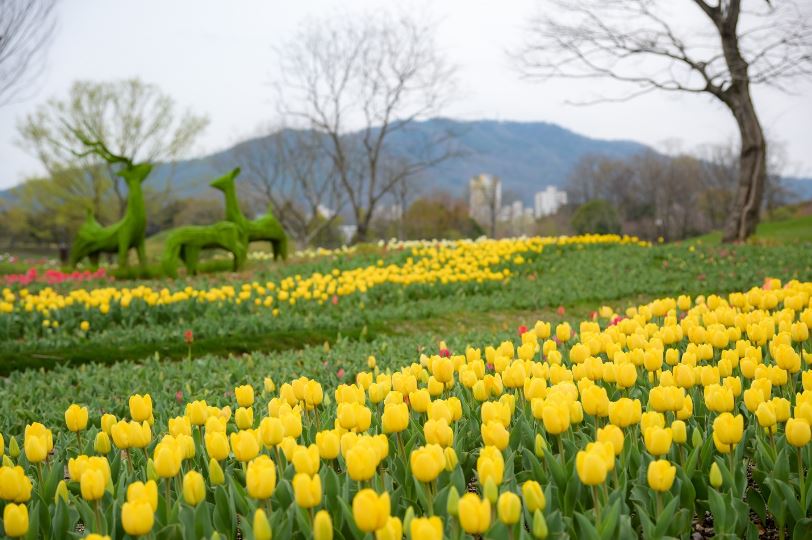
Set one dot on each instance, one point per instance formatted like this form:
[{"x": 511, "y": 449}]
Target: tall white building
[
  {"x": 485, "y": 199},
  {"x": 549, "y": 201}
]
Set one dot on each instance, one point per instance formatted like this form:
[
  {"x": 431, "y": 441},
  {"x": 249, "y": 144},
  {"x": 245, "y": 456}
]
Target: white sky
[{"x": 217, "y": 58}]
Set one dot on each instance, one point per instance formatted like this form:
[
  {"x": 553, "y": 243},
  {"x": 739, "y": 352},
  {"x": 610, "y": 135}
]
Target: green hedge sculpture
[
  {"x": 264, "y": 229},
  {"x": 185, "y": 243},
  {"x": 93, "y": 239}
]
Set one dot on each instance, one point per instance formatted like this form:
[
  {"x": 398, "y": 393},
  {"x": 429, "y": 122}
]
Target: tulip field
[{"x": 588, "y": 387}]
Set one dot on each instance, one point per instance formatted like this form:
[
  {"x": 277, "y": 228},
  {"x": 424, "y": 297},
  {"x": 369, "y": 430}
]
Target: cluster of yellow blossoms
[
  {"x": 665, "y": 369},
  {"x": 461, "y": 261}
]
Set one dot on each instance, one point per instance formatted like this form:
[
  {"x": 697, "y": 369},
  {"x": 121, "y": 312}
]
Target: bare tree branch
[
  {"x": 359, "y": 83},
  {"x": 26, "y": 29}
]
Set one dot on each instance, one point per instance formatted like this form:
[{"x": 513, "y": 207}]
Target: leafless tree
[
  {"x": 285, "y": 168},
  {"x": 26, "y": 28},
  {"x": 640, "y": 42},
  {"x": 378, "y": 75}
]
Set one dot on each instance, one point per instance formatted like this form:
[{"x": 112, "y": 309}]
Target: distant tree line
[{"x": 652, "y": 195}]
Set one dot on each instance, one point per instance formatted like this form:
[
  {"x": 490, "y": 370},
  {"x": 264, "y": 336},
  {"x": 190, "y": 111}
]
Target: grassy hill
[{"x": 796, "y": 229}]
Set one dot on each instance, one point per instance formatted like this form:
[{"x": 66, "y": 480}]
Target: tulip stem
[
  {"x": 659, "y": 497},
  {"x": 430, "y": 497},
  {"x": 79, "y": 442},
  {"x": 597, "y": 504},
  {"x": 801, "y": 480},
  {"x": 98, "y": 518},
  {"x": 166, "y": 497},
  {"x": 39, "y": 477},
  {"x": 561, "y": 445}
]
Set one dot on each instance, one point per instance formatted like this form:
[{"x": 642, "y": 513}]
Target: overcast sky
[{"x": 217, "y": 58}]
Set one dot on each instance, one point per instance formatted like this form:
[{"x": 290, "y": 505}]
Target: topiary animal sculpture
[
  {"x": 93, "y": 239},
  {"x": 185, "y": 243},
  {"x": 264, "y": 229}
]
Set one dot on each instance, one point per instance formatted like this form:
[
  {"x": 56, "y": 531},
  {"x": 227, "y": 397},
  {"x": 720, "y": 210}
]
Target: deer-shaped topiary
[
  {"x": 93, "y": 239},
  {"x": 185, "y": 243},
  {"x": 264, "y": 229}
]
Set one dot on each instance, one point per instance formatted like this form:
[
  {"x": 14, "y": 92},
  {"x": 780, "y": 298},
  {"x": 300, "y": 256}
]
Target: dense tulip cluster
[
  {"x": 447, "y": 262},
  {"x": 676, "y": 407}
]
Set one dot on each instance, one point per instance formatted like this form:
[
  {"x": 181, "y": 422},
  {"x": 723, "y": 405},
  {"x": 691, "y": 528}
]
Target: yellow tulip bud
[
  {"x": 61, "y": 491},
  {"x": 102, "y": 443},
  {"x": 216, "y": 475},
  {"x": 140, "y": 407},
  {"x": 453, "y": 502},
  {"x": 427, "y": 462},
  {"x": 533, "y": 496},
  {"x": 322, "y": 526},
  {"x": 715, "y": 476},
  {"x": 591, "y": 467},
  {"x": 262, "y": 527},
  {"x": 147, "y": 492},
  {"x": 540, "y": 530}
]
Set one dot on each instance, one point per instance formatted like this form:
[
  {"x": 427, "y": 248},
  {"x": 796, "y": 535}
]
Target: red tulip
[
  {"x": 188, "y": 337},
  {"x": 522, "y": 329}
]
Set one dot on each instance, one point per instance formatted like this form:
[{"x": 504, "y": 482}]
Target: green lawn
[{"x": 784, "y": 231}]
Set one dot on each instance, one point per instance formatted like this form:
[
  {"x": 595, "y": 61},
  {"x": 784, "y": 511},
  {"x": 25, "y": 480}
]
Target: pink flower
[
  {"x": 335, "y": 299},
  {"x": 179, "y": 396},
  {"x": 340, "y": 373},
  {"x": 522, "y": 330},
  {"x": 560, "y": 310},
  {"x": 188, "y": 337},
  {"x": 445, "y": 353},
  {"x": 489, "y": 366},
  {"x": 593, "y": 315}
]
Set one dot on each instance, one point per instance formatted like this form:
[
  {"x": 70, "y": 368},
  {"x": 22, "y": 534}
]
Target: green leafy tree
[{"x": 596, "y": 217}]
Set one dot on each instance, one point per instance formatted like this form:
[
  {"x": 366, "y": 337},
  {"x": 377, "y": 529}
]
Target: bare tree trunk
[{"x": 743, "y": 217}]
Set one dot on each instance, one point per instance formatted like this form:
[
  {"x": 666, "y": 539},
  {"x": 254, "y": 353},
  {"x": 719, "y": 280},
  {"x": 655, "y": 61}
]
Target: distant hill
[{"x": 527, "y": 156}]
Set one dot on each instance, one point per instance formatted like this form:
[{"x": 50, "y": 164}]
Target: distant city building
[
  {"x": 549, "y": 201},
  {"x": 485, "y": 199}
]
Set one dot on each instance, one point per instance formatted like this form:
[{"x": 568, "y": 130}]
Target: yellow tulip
[
  {"x": 245, "y": 395},
  {"x": 361, "y": 461},
  {"x": 591, "y": 467},
  {"x": 260, "y": 477},
  {"x": 370, "y": 510},
  {"x": 490, "y": 465},
  {"x": 430, "y": 528},
  {"x": 728, "y": 429},
  {"x": 244, "y": 418},
  {"x": 495, "y": 434},
  {"x": 661, "y": 475},
  {"x": 306, "y": 459},
  {"x": 395, "y": 417},
  {"x": 392, "y": 530},
  {"x": 216, "y": 475},
  {"x": 15, "y": 520},
  {"x": 509, "y": 508},
  {"x": 797, "y": 432},
  {"x": 194, "y": 488},
  {"x": 137, "y": 517},
  {"x": 322, "y": 526},
  {"x": 92, "y": 484},
  {"x": 216, "y": 445},
  {"x": 427, "y": 462},
  {"x": 144, "y": 492},
  {"x": 657, "y": 440},
  {"x": 307, "y": 490},
  {"x": 244, "y": 445},
  {"x": 271, "y": 431},
  {"x": 613, "y": 435},
  {"x": 76, "y": 418},
  {"x": 140, "y": 407},
  {"x": 474, "y": 514}
]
